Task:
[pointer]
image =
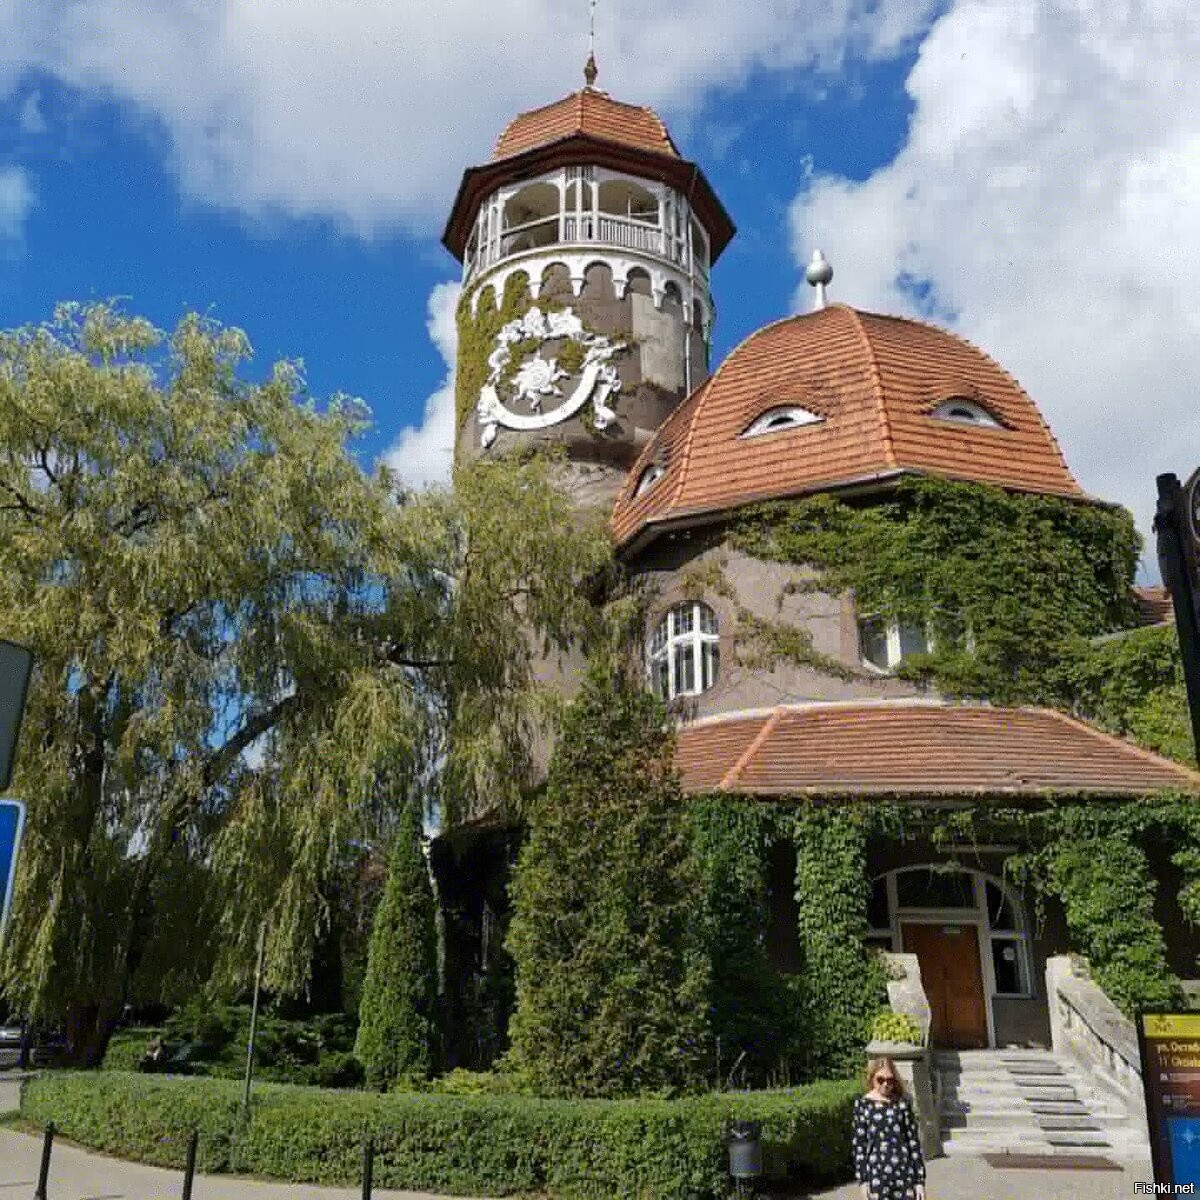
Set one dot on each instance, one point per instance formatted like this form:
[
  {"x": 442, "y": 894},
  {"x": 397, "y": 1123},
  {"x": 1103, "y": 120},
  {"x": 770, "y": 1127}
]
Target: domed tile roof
[
  {"x": 590, "y": 112},
  {"x": 840, "y": 398}
]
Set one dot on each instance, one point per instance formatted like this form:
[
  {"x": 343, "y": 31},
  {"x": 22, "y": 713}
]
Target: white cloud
[
  {"x": 1046, "y": 199},
  {"x": 423, "y": 454},
  {"x": 31, "y": 119},
  {"x": 16, "y": 201},
  {"x": 366, "y": 110}
]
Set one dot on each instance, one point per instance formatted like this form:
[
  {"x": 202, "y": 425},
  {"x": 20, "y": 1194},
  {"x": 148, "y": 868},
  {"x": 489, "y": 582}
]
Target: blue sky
[{"x": 1025, "y": 170}]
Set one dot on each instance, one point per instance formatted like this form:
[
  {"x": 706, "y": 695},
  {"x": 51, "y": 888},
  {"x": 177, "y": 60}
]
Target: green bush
[
  {"x": 211, "y": 1040},
  {"x": 127, "y": 1048},
  {"x": 482, "y": 1145},
  {"x": 891, "y": 1026}
]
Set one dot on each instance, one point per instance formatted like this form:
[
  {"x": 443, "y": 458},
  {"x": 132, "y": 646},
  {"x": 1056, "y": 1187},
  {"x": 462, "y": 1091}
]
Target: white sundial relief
[{"x": 537, "y": 379}]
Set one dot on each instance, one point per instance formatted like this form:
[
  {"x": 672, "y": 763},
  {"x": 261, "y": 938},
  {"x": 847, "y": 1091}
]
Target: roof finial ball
[{"x": 818, "y": 273}]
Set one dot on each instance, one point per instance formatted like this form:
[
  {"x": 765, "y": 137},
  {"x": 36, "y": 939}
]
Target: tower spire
[{"x": 590, "y": 70}]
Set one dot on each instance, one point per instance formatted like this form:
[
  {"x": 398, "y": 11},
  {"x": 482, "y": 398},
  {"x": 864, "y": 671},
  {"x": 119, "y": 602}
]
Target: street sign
[
  {"x": 1170, "y": 1045},
  {"x": 12, "y": 822},
  {"x": 16, "y": 664}
]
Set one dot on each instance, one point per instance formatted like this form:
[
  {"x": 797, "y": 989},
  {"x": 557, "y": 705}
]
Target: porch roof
[{"x": 925, "y": 749}]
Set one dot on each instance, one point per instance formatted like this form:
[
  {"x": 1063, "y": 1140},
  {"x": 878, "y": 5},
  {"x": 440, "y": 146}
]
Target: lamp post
[{"x": 258, "y": 970}]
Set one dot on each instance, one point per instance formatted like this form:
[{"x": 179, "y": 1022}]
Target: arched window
[
  {"x": 684, "y": 653},
  {"x": 775, "y": 419},
  {"x": 648, "y": 478},
  {"x": 965, "y": 412}
]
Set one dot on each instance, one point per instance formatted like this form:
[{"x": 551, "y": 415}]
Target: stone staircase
[{"x": 1028, "y": 1102}]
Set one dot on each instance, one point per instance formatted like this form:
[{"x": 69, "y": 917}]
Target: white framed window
[
  {"x": 774, "y": 420},
  {"x": 965, "y": 412},
  {"x": 884, "y": 643},
  {"x": 684, "y": 654}
]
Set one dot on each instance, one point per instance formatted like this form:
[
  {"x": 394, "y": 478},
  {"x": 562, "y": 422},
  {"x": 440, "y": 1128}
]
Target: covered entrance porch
[{"x": 969, "y": 933}]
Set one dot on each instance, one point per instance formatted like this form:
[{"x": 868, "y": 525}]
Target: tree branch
[{"x": 255, "y": 727}]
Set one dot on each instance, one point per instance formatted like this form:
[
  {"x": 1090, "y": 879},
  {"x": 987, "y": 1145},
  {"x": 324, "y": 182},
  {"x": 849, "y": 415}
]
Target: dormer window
[
  {"x": 965, "y": 412},
  {"x": 648, "y": 478},
  {"x": 774, "y": 420}
]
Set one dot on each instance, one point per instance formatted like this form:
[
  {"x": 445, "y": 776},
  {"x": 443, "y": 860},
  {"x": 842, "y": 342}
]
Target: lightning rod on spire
[{"x": 589, "y": 71}]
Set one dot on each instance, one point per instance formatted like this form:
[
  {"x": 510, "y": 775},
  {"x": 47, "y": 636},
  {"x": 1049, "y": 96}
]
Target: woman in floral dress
[{"x": 887, "y": 1144}]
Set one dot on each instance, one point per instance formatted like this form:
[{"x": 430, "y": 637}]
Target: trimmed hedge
[{"x": 482, "y": 1145}]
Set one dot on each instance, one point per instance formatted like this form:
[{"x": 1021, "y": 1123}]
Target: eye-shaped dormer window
[
  {"x": 648, "y": 478},
  {"x": 965, "y": 412},
  {"x": 774, "y": 420}
]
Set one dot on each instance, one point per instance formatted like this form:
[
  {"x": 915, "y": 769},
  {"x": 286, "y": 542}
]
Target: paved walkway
[
  {"x": 973, "y": 1179},
  {"x": 78, "y": 1175}
]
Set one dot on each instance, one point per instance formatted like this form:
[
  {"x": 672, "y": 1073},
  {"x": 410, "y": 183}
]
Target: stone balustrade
[{"x": 1087, "y": 1028}]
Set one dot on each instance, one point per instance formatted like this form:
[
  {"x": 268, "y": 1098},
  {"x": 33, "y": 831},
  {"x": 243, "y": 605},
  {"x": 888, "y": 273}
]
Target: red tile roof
[
  {"x": 589, "y": 112},
  {"x": 1154, "y": 605},
  {"x": 874, "y": 381},
  {"x": 926, "y": 749}
]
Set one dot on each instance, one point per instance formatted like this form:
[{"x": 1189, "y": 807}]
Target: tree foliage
[
  {"x": 235, "y": 627},
  {"x": 611, "y": 986},
  {"x": 397, "y": 1019}
]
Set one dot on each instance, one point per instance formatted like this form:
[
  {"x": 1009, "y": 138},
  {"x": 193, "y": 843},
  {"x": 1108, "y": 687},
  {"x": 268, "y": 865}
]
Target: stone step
[
  {"x": 952, "y": 1149},
  {"x": 1077, "y": 1137}
]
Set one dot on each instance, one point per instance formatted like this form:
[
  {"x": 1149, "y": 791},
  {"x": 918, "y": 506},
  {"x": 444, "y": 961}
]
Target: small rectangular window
[
  {"x": 1007, "y": 966},
  {"x": 913, "y": 639},
  {"x": 682, "y": 620},
  {"x": 873, "y": 641},
  {"x": 710, "y": 657}
]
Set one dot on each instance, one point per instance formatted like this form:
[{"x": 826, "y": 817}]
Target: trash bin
[{"x": 745, "y": 1149}]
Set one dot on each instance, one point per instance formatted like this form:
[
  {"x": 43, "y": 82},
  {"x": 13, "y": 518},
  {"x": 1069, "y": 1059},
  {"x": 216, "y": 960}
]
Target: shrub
[
  {"x": 482, "y": 1145},
  {"x": 611, "y": 979},
  {"x": 891, "y": 1026},
  {"x": 397, "y": 1023},
  {"x": 211, "y": 1040},
  {"x": 127, "y": 1048}
]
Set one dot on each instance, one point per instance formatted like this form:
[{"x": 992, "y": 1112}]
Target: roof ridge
[
  {"x": 1123, "y": 742},
  {"x": 1004, "y": 371},
  {"x": 743, "y": 760},
  {"x": 889, "y": 446}
]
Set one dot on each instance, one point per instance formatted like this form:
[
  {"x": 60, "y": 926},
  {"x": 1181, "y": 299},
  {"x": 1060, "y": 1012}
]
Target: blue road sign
[{"x": 12, "y": 821}]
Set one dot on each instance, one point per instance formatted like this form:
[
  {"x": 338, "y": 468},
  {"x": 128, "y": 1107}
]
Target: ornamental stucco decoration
[{"x": 538, "y": 378}]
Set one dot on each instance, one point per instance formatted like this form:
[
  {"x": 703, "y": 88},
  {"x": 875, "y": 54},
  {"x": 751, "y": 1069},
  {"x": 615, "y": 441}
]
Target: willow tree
[{"x": 245, "y": 645}]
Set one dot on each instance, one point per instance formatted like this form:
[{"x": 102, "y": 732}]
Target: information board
[
  {"x": 1170, "y": 1045},
  {"x": 12, "y": 822}
]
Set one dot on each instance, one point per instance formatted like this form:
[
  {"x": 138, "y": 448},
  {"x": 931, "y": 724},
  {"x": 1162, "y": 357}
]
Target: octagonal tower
[{"x": 586, "y": 314}]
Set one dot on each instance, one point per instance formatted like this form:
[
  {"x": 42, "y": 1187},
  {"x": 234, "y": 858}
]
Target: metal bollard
[
  {"x": 189, "y": 1170},
  {"x": 368, "y": 1167},
  {"x": 44, "y": 1173}
]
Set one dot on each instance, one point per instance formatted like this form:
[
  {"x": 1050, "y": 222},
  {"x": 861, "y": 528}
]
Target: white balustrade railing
[{"x": 603, "y": 229}]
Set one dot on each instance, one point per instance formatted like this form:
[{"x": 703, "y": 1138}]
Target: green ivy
[
  {"x": 1133, "y": 685},
  {"x": 1027, "y": 576},
  {"x": 748, "y": 1003},
  {"x": 841, "y": 986},
  {"x": 477, "y": 336}
]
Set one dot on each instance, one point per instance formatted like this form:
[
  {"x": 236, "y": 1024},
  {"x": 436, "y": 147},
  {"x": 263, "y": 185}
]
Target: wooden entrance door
[{"x": 953, "y": 981}]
